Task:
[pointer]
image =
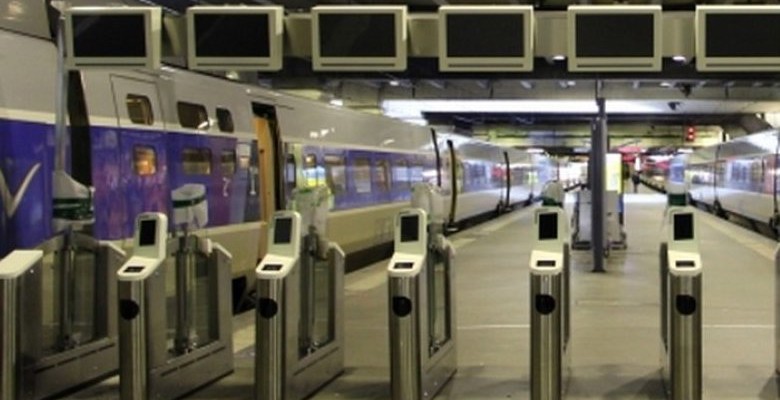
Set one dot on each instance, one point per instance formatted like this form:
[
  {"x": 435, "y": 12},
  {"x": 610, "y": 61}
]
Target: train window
[
  {"x": 311, "y": 173},
  {"x": 139, "y": 109},
  {"x": 417, "y": 172},
  {"x": 196, "y": 161},
  {"x": 193, "y": 116},
  {"x": 382, "y": 172},
  {"x": 361, "y": 172},
  {"x": 401, "y": 173},
  {"x": 225, "y": 120},
  {"x": 144, "y": 160},
  {"x": 335, "y": 173},
  {"x": 227, "y": 162}
]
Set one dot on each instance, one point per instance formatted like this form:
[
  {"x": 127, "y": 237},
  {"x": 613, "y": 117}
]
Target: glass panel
[
  {"x": 401, "y": 174},
  {"x": 311, "y": 172},
  {"x": 139, "y": 109},
  {"x": 438, "y": 302},
  {"x": 69, "y": 301},
  {"x": 335, "y": 173},
  {"x": 361, "y": 173},
  {"x": 196, "y": 161},
  {"x": 316, "y": 326},
  {"x": 225, "y": 120},
  {"x": 228, "y": 162},
  {"x": 193, "y": 116},
  {"x": 144, "y": 160},
  {"x": 191, "y": 317}
]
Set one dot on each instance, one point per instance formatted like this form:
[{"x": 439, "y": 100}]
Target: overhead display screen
[
  {"x": 357, "y": 35},
  {"x": 485, "y": 35},
  {"x": 232, "y": 35},
  {"x": 410, "y": 228},
  {"x": 147, "y": 235},
  {"x": 283, "y": 230},
  {"x": 548, "y": 226},
  {"x": 615, "y": 35},
  {"x": 108, "y": 35},
  {"x": 683, "y": 226},
  {"x": 742, "y": 35}
]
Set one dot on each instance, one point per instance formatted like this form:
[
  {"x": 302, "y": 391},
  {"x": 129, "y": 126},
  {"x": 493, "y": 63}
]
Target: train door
[
  {"x": 140, "y": 152},
  {"x": 454, "y": 187},
  {"x": 268, "y": 149},
  {"x": 507, "y": 180}
]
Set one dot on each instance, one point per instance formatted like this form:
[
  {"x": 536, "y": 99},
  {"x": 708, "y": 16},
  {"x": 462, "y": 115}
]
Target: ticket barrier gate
[
  {"x": 681, "y": 301},
  {"x": 422, "y": 308},
  {"x": 172, "y": 345},
  {"x": 550, "y": 305},
  {"x": 299, "y": 327},
  {"x": 58, "y": 328}
]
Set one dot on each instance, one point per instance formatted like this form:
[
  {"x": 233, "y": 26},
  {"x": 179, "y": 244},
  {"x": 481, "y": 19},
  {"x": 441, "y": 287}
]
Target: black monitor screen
[
  {"x": 683, "y": 226},
  {"x": 742, "y": 35},
  {"x": 410, "y": 228},
  {"x": 614, "y": 35},
  {"x": 109, "y": 36},
  {"x": 148, "y": 234},
  {"x": 283, "y": 230},
  {"x": 231, "y": 35},
  {"x": 485, "y": 35},
  {"x": 357, "y": 35},
  {"x": 548, "y": 226}
]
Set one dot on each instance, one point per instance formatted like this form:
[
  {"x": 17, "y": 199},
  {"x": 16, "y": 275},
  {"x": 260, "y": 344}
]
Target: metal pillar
[
  {"x": 684, "y": 336},
  {"x": 777, "y": 310},
  {"x": 546, "y": 337},
  {"x": 405, "y": 372},
  {"x": 270, "y": 334},
  {"x": 133, "y": 360},
  {"x": 598, "y": 151}
]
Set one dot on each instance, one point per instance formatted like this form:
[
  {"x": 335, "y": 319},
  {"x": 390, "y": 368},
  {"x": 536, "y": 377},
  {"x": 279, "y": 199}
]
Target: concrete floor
[{"x": 615, "y": 318}]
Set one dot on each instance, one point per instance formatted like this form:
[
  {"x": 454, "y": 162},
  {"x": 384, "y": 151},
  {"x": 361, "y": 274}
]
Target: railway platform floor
[{"x": 615, "y": 318}]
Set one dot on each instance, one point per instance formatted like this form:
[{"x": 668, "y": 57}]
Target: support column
[{"x": 598, "y": 154}]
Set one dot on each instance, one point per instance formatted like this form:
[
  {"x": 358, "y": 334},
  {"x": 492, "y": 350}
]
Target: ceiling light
[
  {"x": 394, "y": 83},
  {"x": 558, "y": 57},
  {"x": 679, "y": 58}
]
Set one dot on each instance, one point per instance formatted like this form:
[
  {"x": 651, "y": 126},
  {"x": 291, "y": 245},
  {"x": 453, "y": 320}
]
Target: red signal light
[{"x": 690, "y": 134}]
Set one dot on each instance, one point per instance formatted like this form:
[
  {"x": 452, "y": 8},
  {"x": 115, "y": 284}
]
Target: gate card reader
[
  {"x": 285, "y": 247},
  {"x": 411, "y": 240},
  {"x": 683, "y": 255},
  {"x": 149, "y": 250},
  {"x": 547, "y": 254}
]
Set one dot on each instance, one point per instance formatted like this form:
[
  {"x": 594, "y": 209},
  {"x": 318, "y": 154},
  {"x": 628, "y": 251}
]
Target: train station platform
[{"x": 615, "y": 318}]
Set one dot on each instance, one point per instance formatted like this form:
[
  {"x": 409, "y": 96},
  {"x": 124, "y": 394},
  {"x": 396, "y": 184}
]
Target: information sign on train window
[
  {"x": 614, "y": 38},
  {"x": 144, "y": 160},
  {"x": 738, "y": 38},
  {"x": 115, "y": 37},
  {"x": 235, "y": 38},
  {"x": 359, "y": 38},
  {"x": 486, "y": 38}
]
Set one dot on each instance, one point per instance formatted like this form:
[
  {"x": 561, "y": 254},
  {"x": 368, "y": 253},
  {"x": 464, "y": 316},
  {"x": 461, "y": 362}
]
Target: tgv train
[
  {"x": 222, "y": 156},
  {"x": 738, "y": 177}
]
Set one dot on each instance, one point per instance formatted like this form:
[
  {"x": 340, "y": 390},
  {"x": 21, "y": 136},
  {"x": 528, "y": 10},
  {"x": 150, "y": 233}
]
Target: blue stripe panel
[{"x": 26, "y": 154}]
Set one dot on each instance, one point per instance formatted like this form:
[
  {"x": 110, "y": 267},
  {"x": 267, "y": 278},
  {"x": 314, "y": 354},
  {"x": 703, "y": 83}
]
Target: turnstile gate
[
  {"x": 422, "y": 313},
  {"x": 299, "y": 322},
  {"x": 58, "y": 325},
  {"x": 550, "y": 305},
  {"x": 175, "y": 327},
  {"x": 681, "y": 303}
]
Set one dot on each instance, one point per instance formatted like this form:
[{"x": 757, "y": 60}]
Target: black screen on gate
[
  {"x": 357, "y": 35},
  {"x": 485, "y": 35},
  {"x": 615, "y": 35},
  {"x": 742, "y": 35},
  {"x": 548, "y": 226},
  {"x": 148, "y": 233},
  {"x": 410, "y": 228},
  {"x": 683, "y": 226},
  {"x": 283, "y": 230},
  {"x": 109, "y": 36},
  {"x": 231, "y": 35}
]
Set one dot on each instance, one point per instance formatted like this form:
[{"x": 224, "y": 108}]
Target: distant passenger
[
  {"x": 553, "y": 194},
  {"x": 635, "y": 180}
]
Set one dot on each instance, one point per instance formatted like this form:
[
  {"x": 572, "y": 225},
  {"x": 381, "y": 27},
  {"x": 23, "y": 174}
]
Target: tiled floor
[{"x": 615, "y": 318}]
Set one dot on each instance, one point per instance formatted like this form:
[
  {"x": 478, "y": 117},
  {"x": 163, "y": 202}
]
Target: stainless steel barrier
[
  {"x": 550, "y": 302},
  {"x": 66, "y": 325},
  {"x": 681, "y": 303},
  {"x": 299, "y": 321},
  {"x": 164, "y": 354},
  {"x": 421, "y": 309}
]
